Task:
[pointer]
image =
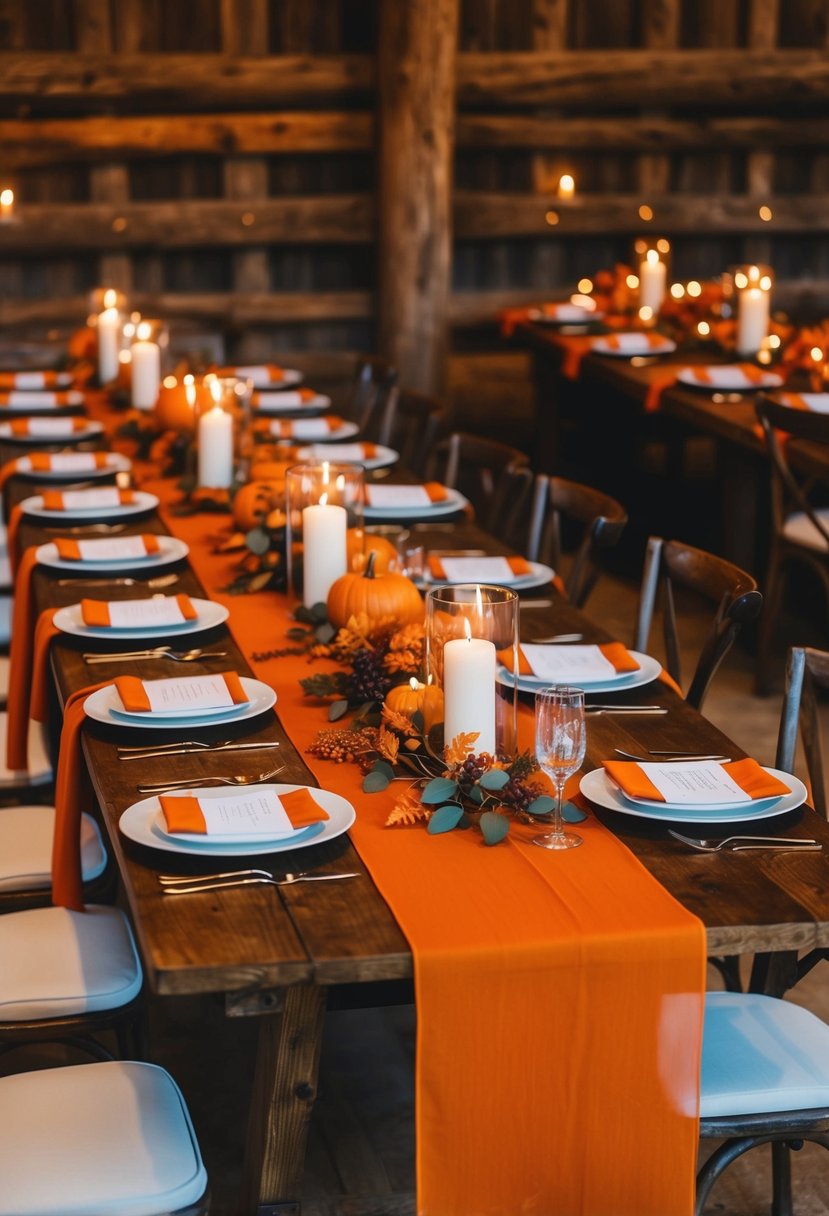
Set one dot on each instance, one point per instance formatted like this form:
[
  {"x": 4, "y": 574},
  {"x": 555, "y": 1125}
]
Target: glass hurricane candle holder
[
  {"x": 651, "y": 257},
  {"x": 149, "y": 340},
  {"x": 322, "y": 502},
  {"x": 472, "y": 638},
  {"x": 224, "y": 435},
  {"x": 748, "y": 289}
]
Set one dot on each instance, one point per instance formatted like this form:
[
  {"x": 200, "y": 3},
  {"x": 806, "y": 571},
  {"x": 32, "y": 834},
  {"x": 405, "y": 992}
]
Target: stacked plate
[
  {"x": 648, "y": 670},
  {"x": 599, "y": 788}
]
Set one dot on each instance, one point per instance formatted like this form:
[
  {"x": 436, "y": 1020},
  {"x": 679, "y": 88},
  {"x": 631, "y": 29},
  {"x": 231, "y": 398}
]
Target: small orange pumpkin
[
  {"x": 173, "y": 411},
  {"x": 253, "y": 502},
  {"x": 409, "y": 698},
  {"x": 360, "y": 543},
  {"x": 377, "y": 595}
]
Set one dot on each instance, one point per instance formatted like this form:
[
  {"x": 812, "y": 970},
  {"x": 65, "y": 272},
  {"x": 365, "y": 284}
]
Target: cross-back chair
[
  {"x": 733, "y": 591},
  {"x": 374, "y": 379},
  {"x": 412, "y": 425},
  {"x": 494, "y": 476},
  {"x": 600, "y": 519},
  {"x": 800, "y": 525}
]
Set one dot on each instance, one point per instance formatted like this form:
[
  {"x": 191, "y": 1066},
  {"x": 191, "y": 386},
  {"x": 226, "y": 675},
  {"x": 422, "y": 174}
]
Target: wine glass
[{"x": 560, "y": 739}]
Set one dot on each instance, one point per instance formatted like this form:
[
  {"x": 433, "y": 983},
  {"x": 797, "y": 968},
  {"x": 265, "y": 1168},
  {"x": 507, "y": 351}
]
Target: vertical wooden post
[
  {"x": 763, "y": 17},
  {"x": 416, "y": 87}
]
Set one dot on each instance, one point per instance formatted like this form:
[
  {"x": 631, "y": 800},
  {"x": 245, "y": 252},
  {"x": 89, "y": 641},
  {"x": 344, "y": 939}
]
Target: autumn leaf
[
  {"x": 400, "y": 722},
  {"x": 408, "y": 810},
  {"x": 388, "y": 745},
  {"x": 460, "y": 747}
]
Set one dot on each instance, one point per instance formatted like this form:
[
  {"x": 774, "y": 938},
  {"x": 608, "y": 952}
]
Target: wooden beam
[
  {"x": 191, "y": 223},
  {"x": 416, "y": 79},
  {"x": 485, "y": 216}
]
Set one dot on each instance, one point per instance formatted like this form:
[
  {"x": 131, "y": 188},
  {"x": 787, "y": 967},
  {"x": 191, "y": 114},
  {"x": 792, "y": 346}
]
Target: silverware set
[
  {"x": 158, "y": 652},
  {"x": 164, "y": 787},
  {"x": 192, "y": 746},
  {"x": 161, "y": 580},
  {"x": 635, "y": 710},
  {"x": 176, "y": 884},
  {"x": 745, "y": 844},
  {"x": 669, "y": 757}
]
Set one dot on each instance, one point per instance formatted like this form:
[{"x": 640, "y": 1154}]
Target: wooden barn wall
[{"x": 217, "y": 158}]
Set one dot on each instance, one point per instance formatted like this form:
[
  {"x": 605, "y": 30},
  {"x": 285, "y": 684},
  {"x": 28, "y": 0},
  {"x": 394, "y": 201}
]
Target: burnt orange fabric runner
[{"x": 559, "y": 997}]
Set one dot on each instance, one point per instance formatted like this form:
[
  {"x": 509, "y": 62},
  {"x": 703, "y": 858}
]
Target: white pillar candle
[
  {"x": 109, "y": 328},
  {"x": 146, "y": 374},
  {"x": 323, "y": 551},
  {"x": 215, "y": 448},
  {"x": 652, "y": 275},
  {"x": 6, "y": 206},
  {"x": 752, "y": 320},
  {"x": 469, "y": 691}
]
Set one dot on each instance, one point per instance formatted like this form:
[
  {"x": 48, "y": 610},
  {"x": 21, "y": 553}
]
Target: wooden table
[{"x": 276, "y": 953}]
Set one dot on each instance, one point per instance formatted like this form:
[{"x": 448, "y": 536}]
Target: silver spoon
[
  {"x": 741, "y": 844},
  {"x": 196, "y": 782},
  {"x": 286, "y": 880},
  {"x": 162, "y": 580}
]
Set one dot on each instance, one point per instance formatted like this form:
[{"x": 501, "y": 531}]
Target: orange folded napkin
[
  {"x": 286, "y": 428},
  {"x": 31, "y": 380},
  {"x": 615, "y": 653},
  {"x": 434, "y": 491},
  {"x": 657, "y": 386},
  {"x": 137, "y": 699},
  {"x": 634, "y": 781},
  {"x": 53, "y": 499},
  {"x": 43, "y": 462},
  {"x": 254, "y": 371},
  {"x": 97, "y": 612},
  {"x": 54, "y": 398},
  {"x": 518, "y": 565},
  {"x": 67, "y": 883},
  {"x": 794, "y": 401},
  {"x": 70, "y": 550},
  {"x": 57, "y": 426},
  {"x": 183, "y": 813},
  {"x": 651, "y": 338}
]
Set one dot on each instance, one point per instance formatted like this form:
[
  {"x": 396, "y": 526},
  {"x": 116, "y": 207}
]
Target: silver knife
[{"x": 182, "y": 749}]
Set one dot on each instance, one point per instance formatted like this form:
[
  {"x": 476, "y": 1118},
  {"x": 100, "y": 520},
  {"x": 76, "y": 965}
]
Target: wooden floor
[{"x": 360, "y": 1160}]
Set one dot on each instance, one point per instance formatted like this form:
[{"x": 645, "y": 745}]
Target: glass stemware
[{"x": 560, "y": 741}]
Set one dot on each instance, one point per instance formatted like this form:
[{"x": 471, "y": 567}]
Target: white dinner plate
[
  {"x": 31, "y": 379},
  {"x": 118, "y": 464},
  {"x": 632, "y": 344},
  {"x": 540, "y": 576},
  {"x": 304, "y": 432},
  {"x": 105, "y": 706},
  {"x": 139, "y": 823},
  {"x": 272, "y": 403},
  {"x": 818, "y": 403},
  {"x": 564, "y": 314},
  {"x": 170, "y": 550},
  {"x": 730, "y": 377},
  {"x": 143, "y": 502},
  {"x": 210, "y": 614},
  {"x": 598, "y": 787},
  {"x": 316, "y": 452},
  {"x": 261, "y": 377},
  {"x": 452, "y": 503},
  {"x": 649, "y": 669},
  {"x": 90, "y": 429}
]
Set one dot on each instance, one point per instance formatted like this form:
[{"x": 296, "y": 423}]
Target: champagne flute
[{"x": 560, "y": 740}]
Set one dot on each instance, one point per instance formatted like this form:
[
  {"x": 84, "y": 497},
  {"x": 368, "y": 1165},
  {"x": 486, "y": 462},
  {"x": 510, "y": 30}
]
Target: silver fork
[
  {"x": 162, "y": 580},
  {"x": 668, "y": 757},
  {"x": 625, "y": 709},
  {"x": 160, "y": 652},
  {"x": 161, "y": 787},
  {"x": 193, "y": 887},
  {"x": 560, "y": 638},
  {"x": 741, "y": 844}
]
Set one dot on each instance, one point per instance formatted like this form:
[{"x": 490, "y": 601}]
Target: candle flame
[
  {"x": 215, "y": 391},
  {"x": 585, "y": 302},
  {"x": 652, "y": 257},
  {"x": 110, "y": 298},
  {"x": 817, "y": 354},
  {"x": 6, "y": 197},
  {"x": 740, "y": 280},
  {"x": 340, "y": 483},
  {"x": 323, "y": 500},
  {"x": 765, "y": 283},
  {"x": 143, "y": 331},
  {"x": 326, "y": 472},
  {"x": 414, "y": 683},
  {"x": 467, "y": 629},
  {"x": 703, "y": 329},
  {"x": 646, "y": 313}
]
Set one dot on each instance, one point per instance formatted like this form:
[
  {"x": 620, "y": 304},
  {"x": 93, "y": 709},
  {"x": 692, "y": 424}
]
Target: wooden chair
[
  {"x": 799, "y": 526},
  {"x": 374, "y": 379},
  {"x": 494, "y": 476},
  {"x": 412, "y": 425},
  {"x": 600, "y": 519},
  {"x": 670, "y": 563},
  {"x": 108, "y": 1139}
]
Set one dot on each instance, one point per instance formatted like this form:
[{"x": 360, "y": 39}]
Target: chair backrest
[
  {"x": 601, "y": 521},
  {"x": 732, "y": 590},
  {"x": 494, "y": 476},
  {"x": 374, "y": 379},
  {"x": 805, "y": 670},
  {"x": 790, "y": 490},
  {"x": 412, "y": 424}
]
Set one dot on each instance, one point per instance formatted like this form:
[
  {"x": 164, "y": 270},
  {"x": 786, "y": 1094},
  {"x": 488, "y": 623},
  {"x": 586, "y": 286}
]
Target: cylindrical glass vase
[
  {"x": 322, "y": 502},
  {"x": 224, "y": 432},
  {"x": 472, "y": 656},
  {"x": 751, "y": 288}
]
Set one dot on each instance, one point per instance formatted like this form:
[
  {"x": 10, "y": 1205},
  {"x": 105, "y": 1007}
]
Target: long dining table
[{"x": 275, "y": 954}]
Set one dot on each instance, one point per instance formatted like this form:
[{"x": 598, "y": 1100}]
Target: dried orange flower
[
  {"x": 460, "y": 747},
  {"x": 398, "y": 721},
  {"x": 388, "y": 745}
]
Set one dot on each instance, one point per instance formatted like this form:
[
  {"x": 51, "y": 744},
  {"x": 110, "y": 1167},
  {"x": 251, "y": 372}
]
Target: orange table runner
[{"x": 559, "y": 997}]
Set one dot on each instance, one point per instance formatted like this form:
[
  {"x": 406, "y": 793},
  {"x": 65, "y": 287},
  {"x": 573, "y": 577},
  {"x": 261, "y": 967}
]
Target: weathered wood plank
[{"x": 416, "y": 68}]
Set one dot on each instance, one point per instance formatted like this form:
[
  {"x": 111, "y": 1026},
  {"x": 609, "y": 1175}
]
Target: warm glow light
[
  {"x": 703, "y": 329},
  {"x": 774, "y": 341},
  {"x": 632, "y": 281},
  {"x": 143, "y": 331},
  {"x": 585, "y": 286},
  {"x": 766, "y": 214},
  {"x": 6, "y": 197},
  {"x": 129, "y": 329},
  {"x": 765, "y": 283},
  {"x": 764, "y": 356},
  {"x": 552, "y": 218},
  {"x": 694, "y": 288},
  {"x": 124, "y": 356},
  {"x": 817, "y": 354},
  {"x": 248, "y": 219},
  {"x": 677, "y": 291},
  {"x": 753, "y": 273},
  {"x": 740, "y": 280},
  {"x": 566, "y": 186},
  {"x": 652, "y": 257},
  {"x": 190, "y": 378},
  {"x": 645, "y": 313},
  {"x": 663, "y": 246},
  {"x": 585, "y": 302},
  {"x": 110, "y": 298},
  {"x": 645, "y": 213},
  {"x": 169, "y": 382}
]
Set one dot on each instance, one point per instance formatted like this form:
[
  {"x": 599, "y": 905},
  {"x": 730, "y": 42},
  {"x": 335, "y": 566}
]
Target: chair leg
[
  {"x": 729, "y": 968},
  {"x": 768, "y": 620},
  {"x": 781, "y": 1177}
]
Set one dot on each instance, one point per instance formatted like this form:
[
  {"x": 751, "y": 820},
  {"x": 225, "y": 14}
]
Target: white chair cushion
[
  {"x": 111, "y": 1139},
  {"x": 39, "y": 771},
  {"x": 26, "y": 847},
  {"x": 800, "y": 530},
  {"x": 5, "y": 619},
  {"x": 54, "y": 962},
  {"x": 761, "y": 1054}
]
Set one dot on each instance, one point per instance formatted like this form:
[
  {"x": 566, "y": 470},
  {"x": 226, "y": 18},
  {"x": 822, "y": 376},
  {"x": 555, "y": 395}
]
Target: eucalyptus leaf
[
  {"x": 494, "y": 779},
  {"x": 438, "y": 790},
  {"x": 572, "y": 813},
  {"x": 337, "y": 710},
  {"x": 445, "y": 818},
  {"x": 543, "y": 805},
  {"x": 325, "y": 633},
  {"x": 417, "y": 721},
  {"x": 258, "y": 540},
  {"x": 319, "y": 613},
  {"x": 301, "y": 613},
  {"x": 476, "y": 794},
  {"x": 494, "y": 827},
  {"x": 375, "y": 781},
  {"x": 383, "y": 766}
]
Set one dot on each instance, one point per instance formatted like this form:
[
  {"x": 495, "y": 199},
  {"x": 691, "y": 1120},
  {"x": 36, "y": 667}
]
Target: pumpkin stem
[{"x": 369, "y": 570}]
